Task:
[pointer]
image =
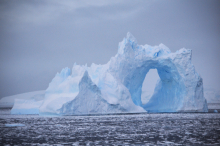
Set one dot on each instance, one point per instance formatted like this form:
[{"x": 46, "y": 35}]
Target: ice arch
[{"x": 180, "y": 87}]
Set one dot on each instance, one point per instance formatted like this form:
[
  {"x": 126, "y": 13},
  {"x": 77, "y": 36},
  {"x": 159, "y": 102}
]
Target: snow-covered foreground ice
[{"x": 136, "y": 129}]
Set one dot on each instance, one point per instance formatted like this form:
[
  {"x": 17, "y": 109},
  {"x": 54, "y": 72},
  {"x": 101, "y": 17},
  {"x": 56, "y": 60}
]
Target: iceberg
[{"x": 117, "y": 86}]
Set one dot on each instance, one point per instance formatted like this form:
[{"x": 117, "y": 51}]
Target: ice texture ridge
[{"x": 117, "y": 86}]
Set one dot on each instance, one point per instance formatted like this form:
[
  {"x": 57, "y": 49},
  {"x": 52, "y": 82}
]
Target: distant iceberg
[
  {"x": 22, "y": 106},
  {"x": 8, "y": 102},
  {"x": 212, "y": 95},
  {"x": 117, "y": 86}
]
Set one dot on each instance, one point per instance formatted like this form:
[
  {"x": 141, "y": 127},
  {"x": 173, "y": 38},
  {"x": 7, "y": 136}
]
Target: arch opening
[{"x": 149, "y": 85}]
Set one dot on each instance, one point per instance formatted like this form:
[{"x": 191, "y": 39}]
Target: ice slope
[
  {"x": 89, "y": 100},
  {"x": 8, "y": 102},
  {"x": 22, "y": 106}
]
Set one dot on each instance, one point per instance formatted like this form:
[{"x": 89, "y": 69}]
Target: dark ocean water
[{"x": 136, "y": 129}]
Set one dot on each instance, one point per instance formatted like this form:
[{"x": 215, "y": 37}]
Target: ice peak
[
  {"x": 86, "y": 83},
  {"x": 128, "y": 45},
  {"x": 131, "y": 39},
  {"x": 65, "y": 72},
  {"x": 85, "y": 77}
]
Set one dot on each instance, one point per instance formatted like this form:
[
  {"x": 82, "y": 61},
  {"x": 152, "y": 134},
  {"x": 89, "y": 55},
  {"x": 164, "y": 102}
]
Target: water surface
[{"x": 137, "y": 129}]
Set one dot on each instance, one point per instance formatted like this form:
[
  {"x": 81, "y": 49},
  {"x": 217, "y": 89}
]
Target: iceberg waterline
[{"x": 117, "y": 86}]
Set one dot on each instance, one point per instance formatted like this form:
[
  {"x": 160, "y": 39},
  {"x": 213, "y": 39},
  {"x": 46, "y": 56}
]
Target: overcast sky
[{"x": 40, "y": 37}]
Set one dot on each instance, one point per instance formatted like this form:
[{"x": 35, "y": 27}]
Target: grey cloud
[{"x": 39, "y": 38}]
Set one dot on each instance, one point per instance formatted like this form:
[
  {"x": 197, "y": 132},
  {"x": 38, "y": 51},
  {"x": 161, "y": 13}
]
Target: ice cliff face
[{"x": 117, "y": 85}]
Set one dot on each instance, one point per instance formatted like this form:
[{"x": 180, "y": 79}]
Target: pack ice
[{"x": 117, "y": 86}]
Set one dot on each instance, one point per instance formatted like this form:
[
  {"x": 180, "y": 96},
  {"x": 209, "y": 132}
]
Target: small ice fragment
[
  {"x": 215, "y": 111},
  {"x": 14, "y": 125}
]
